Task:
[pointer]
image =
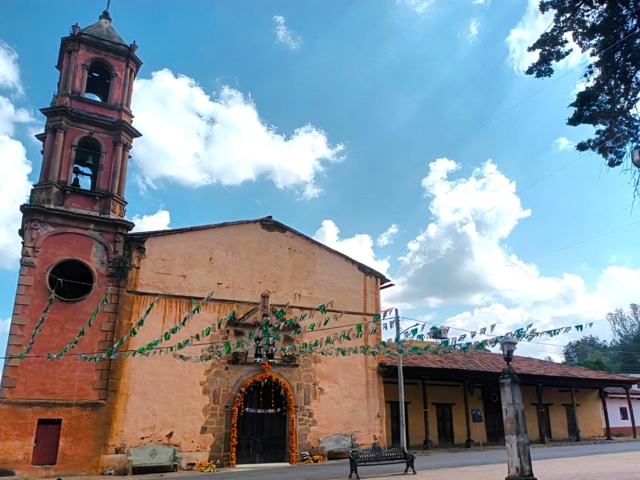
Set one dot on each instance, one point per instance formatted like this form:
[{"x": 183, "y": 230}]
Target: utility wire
[
  {"x": 531, "y": 259},
  {"x": 464, "y": 137}
]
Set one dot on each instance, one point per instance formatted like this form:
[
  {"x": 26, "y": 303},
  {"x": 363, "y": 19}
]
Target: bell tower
[
  {"x": 88, "y": 133},
  {"x": 73, "y": 238}
]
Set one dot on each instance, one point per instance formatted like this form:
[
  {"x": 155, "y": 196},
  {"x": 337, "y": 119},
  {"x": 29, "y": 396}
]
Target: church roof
[
  {"x": 103, "y": 30},
  {"x": 269, "y": 224}
]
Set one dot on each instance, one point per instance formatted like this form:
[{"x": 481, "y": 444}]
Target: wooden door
[
  {"x": 262, "y": 425},
  {"x": 395, "y": 423},
  {"x": 46, "y": 441},
  {"x": 571, "y": 421},
  {"x": 493, "y": 421},
  {"x": 547, "y": 419},
  {"x": 444, "y": 418}
]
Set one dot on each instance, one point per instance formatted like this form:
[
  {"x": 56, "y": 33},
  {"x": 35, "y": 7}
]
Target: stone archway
[{"x": 290, "y": 406}]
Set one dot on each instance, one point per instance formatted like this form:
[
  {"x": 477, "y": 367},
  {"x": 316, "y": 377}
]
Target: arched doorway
[{"x": 263, "y": 421}]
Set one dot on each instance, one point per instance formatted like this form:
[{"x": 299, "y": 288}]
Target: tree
[
  {"x": 597, "y": 362},
  {"x": 625, "y": 325},
  {"x": 579, "y": 351},
  {"x": 626, "y": 336},
  {"x": 608, "y": 31}
]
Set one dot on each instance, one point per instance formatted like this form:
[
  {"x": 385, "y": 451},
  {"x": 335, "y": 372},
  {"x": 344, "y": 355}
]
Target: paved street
[
  {"x": 596, "y": 462},
  {"x": 618, "y": 466}
]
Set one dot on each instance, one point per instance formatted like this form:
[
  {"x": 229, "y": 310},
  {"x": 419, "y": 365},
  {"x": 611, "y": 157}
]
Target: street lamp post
[{"x": 515, "y": 423}]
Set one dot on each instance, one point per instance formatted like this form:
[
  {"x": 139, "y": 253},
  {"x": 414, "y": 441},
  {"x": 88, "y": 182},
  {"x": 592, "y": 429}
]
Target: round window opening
[{"x": 71, "y": 280}]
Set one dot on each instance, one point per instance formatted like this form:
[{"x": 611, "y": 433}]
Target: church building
[
  {"x": 69, "y": 414},
  {"x": 206, "y": 338}
]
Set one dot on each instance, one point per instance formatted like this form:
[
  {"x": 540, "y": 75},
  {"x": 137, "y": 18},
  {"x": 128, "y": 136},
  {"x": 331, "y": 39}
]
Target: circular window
[{"x": 71, "y": 280}]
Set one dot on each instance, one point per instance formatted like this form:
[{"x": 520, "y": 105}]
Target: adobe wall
[
  {"x": 163, "y": 400},
  {"x": 452, "y": 393},
  {"x": 590, "y": 415}
]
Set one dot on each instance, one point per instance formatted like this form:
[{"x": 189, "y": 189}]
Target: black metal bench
[{"x": 383, "y": 457}]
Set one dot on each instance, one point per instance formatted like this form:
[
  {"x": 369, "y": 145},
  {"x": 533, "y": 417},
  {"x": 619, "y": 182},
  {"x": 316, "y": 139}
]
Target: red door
[{"x": 45, "y": 445}]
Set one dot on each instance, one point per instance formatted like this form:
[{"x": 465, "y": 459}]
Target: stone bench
[
  {"x": 152, "y": 456},
  {"x": 380, "y": 457},
  {"x": 337, "y": 444}
]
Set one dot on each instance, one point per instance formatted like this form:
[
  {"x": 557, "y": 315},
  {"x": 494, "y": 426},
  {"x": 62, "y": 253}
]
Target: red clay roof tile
[{"x": 478, "y": 361}]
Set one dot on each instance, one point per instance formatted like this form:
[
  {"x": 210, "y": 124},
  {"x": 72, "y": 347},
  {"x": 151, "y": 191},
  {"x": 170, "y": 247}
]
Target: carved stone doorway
[{"x": 263, "y": 421}]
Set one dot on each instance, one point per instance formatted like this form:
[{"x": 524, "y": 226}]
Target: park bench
[
  {"x": 152, "y": 456},
  {"x": 381, "y": 457}
]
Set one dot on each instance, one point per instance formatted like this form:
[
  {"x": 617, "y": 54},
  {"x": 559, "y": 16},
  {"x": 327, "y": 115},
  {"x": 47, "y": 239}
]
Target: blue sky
[{"x": 302, "y": 110}]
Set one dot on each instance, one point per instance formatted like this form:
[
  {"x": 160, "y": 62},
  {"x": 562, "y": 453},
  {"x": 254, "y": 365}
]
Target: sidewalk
[{"x": 618, "y": 466}]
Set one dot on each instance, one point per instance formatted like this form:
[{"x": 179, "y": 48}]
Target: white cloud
[
  {"x": 310, "y": 190},
  {"x": 532, "y": 24},
  {"x": 195, "y": 140},
  {"x": 432, "y": 265},
  {"x": 284, "y": 35},
  {"x": 473, "y": 28},
  {"x": 10, "y": 116},
  {"x": 150, "y": 223},
  {"x": 471, "y": 265},
  {"x": 420, "y": 6},
  {"x": 9, "y": 69},
  {"x": 359, "y": 247},
  {"x": 486, "y": 3},
  {"x": 5, "y": 325},
  {"x": 563, "y": 143},
  {"x": 387, "y": 237},
  {"x": 14, "y": 165},
  {"x": 143, "y": 183}
]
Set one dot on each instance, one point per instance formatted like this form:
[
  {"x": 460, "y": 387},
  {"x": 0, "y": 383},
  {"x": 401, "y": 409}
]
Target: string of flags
[
  {"x": 36, "y": 330},
  {"x": 291, "y": 327},
  {"x": 525, "y": 333},
  {"x": 151, "y": 346},
  {"x": 81, "y": 333}
]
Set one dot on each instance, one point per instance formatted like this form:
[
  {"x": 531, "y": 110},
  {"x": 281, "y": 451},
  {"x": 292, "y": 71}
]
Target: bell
[
  {"x": 88, "y": 163},
  {"x": 76, "y": 182}
]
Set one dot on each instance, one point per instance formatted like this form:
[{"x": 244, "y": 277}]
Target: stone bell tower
[
  {"x": 73, "y": 234},
  {"x": 88, "y": 133}
]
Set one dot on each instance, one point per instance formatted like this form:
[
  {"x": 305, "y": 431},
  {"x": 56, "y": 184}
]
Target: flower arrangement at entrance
[
  {"x": 207, "y": 467},
  {"x": 238, "y": 407}
]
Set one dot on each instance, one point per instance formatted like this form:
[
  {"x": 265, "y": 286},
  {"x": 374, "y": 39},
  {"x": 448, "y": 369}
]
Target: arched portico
[{"x": 239, "y": 408}]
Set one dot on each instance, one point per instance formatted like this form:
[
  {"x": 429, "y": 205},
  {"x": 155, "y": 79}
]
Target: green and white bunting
[
  {"x": 81, "y": 333},
  {"x": 36, "y": 330}
]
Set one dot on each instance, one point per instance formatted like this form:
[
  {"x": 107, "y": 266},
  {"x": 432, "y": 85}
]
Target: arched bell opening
[
  {"x": 263, "y": 422},
  {"x": 98, "y": 82},
  {"x": 86, "y": 162}
]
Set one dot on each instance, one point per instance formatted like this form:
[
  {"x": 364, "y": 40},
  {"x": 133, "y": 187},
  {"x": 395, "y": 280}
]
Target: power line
[
  {"x": 464, "y": 137},
  {"x": 532, "y": 259}
]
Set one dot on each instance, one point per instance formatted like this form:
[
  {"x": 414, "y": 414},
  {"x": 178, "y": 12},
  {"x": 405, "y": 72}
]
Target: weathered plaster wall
[
  {"x": 590, "y": 417},
  {"x": 589, "y": 411},
  {"x": 160, "y": 395},
  {"x": 81, "y": 436},
  {"x": 435, "y": 394}
]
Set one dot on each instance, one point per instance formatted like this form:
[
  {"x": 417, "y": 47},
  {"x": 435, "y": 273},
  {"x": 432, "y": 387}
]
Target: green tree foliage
[
  {"x": 608, "y": 31},
  {"x": 621, "y": 354},
  {"x": 597, "y": 362},
  {"x": 580, "y": 350},
  {"x": 626, "y": 336}
]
